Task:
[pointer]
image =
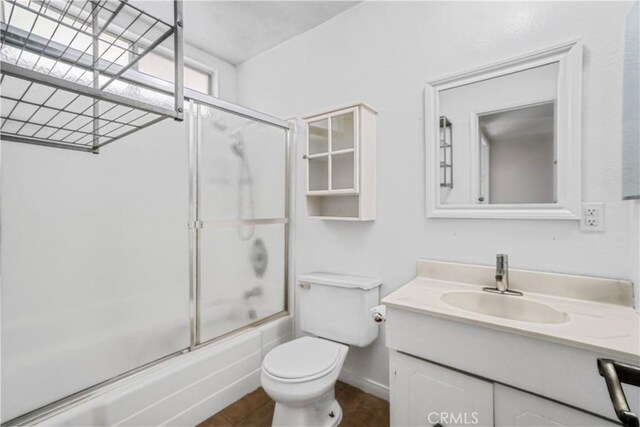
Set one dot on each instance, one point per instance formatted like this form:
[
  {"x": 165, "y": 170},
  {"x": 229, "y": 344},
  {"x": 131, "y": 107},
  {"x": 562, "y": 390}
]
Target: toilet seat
[{"x": 303, "y": 359}]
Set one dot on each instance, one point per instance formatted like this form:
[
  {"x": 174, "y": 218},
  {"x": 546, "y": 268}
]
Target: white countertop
[{"x": 611, "y": 329}]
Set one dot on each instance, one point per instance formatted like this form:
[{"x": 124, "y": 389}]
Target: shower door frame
[
  {"x": 192, "y": 97},
  {"x": 196, "y": 224}
]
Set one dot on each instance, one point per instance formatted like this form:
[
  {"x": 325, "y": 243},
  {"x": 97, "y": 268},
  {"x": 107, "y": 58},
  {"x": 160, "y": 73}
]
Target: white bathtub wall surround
[
  {"x": 387, "y": 66},
  {"x": 186, "y": 390}
]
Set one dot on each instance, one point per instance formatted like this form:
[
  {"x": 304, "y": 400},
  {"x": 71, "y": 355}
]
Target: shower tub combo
[{"x": 141, "y": 286}]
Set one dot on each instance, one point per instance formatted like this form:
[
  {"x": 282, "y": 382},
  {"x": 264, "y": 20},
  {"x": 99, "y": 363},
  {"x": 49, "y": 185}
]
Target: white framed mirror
[{"x": 504, "y": 140}]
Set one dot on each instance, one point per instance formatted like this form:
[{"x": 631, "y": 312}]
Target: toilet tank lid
[{"x": 340, "y": 280}]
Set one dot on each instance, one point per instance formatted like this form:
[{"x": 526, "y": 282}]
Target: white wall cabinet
[
  {"x": 341, "y": 164},
  {"x": 426, "y": 394}
]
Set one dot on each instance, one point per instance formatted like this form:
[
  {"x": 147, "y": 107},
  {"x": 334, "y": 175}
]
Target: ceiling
[
  {"x": 523, "y": 124},
  {"x": 239, "y": 30}
]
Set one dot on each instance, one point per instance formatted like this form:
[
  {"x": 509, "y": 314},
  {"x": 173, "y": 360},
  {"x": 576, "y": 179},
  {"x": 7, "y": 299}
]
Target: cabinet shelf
[
  {"x": 341, "y": 157},
  {"x": 337, "y": 193},
  {"x": 446, "y": 152}
]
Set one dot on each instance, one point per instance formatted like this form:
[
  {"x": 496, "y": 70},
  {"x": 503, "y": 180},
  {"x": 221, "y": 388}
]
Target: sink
[{"x": 505, "y": 306}]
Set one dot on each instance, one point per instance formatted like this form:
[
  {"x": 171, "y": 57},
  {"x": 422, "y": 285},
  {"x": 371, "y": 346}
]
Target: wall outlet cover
[{"x": 592, "y": 218}]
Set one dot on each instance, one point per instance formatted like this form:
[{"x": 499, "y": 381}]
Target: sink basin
[{"x": 505, "y": 306}]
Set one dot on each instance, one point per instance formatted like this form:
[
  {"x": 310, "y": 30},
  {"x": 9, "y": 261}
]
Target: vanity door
[
  {"x": 515, "y": 408},
  {"x": 425, "y": 394}
]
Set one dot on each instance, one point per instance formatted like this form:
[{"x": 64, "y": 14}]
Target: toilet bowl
[{"x": 301, "y": 376}]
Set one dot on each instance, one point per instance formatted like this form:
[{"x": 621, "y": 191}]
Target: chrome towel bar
[{"x": 614, "y": 374}]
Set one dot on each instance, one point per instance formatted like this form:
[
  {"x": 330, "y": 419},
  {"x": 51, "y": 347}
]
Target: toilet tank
[{"x": 337, "y": 307}]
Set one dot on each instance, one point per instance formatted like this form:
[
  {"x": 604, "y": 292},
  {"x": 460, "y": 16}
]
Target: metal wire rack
[{"x": 64, "y": 71}]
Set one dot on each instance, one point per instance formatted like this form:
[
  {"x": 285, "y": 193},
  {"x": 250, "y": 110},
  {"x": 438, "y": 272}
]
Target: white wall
[
  {"x": 521, "y": 171},
  {"x": 226, "y": 72},
  {"x": 382, "y": 53},
  {"x": 633, "y": 243}
]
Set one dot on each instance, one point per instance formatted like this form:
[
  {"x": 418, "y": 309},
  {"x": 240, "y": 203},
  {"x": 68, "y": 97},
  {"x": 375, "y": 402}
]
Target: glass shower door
[{"x": 241, "y": 222}]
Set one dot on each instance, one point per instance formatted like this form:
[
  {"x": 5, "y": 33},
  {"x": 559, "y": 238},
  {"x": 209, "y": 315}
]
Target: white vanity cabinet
[
  {"x": 341, "y": 164},
  {"x": 538, "y": 372},
  {"x": 426, "y": 394}
]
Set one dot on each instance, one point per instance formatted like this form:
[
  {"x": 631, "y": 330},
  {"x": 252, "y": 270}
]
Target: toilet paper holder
[{"x": 379, "y": 313}]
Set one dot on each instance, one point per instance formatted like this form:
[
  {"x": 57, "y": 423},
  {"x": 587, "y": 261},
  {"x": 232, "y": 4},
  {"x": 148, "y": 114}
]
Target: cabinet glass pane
[
  {"x": 319, "y": 137},
  {"x": 319, "y": 173},
  {"x": 342, "y": 171},
  {"x": 342, "y": 132},
  {"x": 242, "y": 277},
  {"x": 242, "y": 167}
]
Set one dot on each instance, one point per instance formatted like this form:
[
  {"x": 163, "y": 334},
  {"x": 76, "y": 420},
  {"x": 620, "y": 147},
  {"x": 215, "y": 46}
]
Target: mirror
[
  {"x": 504, "y": 141},
  {"x": 517, "y": 155}
]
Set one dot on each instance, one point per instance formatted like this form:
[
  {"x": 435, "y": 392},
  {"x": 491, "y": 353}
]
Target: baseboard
[{"x": 365, "y": 384}]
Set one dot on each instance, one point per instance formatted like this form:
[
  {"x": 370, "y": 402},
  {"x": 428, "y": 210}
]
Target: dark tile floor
[{"x": 256, "y": 410}]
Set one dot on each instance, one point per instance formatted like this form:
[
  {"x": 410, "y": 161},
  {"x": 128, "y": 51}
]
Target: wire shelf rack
[{"x": 64, "y": 67}]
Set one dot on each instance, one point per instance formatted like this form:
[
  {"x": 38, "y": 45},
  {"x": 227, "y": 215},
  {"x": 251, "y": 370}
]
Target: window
[
  {"x": 112, "y": 48},
  {"x": 161, "y": 66},
  {"x": 51, "y": 27}
]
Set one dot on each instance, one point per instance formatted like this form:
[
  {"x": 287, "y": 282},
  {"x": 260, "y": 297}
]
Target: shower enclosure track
[{"x": 64, "y": 67}]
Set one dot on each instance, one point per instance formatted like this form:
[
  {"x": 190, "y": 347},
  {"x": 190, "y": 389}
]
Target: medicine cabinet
[
  {"x": 341, "y": 164},
  {"x": 510, "y": 134}
]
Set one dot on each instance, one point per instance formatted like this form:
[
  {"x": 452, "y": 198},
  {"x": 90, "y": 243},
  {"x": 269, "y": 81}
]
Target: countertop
[{"x": 610, "y": 329}]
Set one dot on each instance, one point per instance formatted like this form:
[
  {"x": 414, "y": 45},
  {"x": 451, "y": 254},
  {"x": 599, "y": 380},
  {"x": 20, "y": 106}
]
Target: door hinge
[{"x": 195, "y": 225}]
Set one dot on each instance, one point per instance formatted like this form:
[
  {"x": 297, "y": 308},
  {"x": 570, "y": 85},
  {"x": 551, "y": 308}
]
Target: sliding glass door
[
  {"x": 95, "y": 263},
  {"x": 240, "y": 221},
  {"x": 101, "y": 275}
]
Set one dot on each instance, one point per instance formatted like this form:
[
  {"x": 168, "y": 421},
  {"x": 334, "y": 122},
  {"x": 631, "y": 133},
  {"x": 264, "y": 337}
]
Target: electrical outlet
[{"x": 592, "y": 217}]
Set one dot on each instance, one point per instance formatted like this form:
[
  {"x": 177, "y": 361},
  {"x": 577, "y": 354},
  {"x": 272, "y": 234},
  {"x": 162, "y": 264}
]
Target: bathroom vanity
[{"x": 461, "y": 356}]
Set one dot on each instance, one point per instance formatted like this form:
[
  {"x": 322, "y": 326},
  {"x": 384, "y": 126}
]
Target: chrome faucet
[
  {"x": 502, "y": 272},
  {"x": 502, "y": 277}
]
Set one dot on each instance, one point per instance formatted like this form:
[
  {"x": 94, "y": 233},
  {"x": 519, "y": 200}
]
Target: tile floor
[{"x": 256, "y": 410}]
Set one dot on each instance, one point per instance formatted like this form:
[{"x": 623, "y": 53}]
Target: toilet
[{"x": 300, "y": 375}]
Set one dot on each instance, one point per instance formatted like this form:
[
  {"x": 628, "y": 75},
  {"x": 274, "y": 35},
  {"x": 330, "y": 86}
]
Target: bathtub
[{"x": 186, "y": 389}]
